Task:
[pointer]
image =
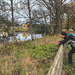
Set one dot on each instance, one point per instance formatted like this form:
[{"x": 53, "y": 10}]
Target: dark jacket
[{"x": 66, "y": 39}]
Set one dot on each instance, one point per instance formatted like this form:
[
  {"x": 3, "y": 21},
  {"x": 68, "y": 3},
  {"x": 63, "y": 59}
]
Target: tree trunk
[
  {"x": 45, "y": 29},
  {"x": 30, "y": 19},
  {"x": 14, "y": 38},
  {"x": 68, "y": 24},
  {"x": 60, "y": 16}
]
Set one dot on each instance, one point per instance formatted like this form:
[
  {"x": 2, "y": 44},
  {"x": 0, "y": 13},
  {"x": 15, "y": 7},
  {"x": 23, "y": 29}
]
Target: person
[{"x": 68, "y": 37}]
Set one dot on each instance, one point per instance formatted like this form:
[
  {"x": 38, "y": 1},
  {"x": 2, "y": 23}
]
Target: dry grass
[
  {"x": 26, "y": 65},
  {"x": 9, "y": 64},
  {"x": 48, "y": 40}
]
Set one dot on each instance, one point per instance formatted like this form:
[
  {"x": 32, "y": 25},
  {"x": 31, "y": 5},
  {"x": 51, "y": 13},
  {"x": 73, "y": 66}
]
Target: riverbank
[
  {"x": 31, "y": 57},
  {"x": 24, "y": 58},
  {"x": 16, "y": 29}
]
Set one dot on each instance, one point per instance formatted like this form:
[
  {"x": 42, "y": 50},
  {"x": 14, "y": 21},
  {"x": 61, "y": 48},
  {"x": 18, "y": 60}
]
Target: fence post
[{"x": 56, "y": 68}]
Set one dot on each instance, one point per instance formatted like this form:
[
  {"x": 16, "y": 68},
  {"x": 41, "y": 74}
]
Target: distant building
[{"x": 24, "y": 26}]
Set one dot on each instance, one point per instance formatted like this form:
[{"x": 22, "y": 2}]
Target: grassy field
[
  {"x": 67, "y": 68},
  {"x": 20, "y": 30},
  {"x": 23, "y": 58},
  {"x": 0, "y": 29},
  {"x": 16, "y": 29},
  {"x": 31, "y": 57}
]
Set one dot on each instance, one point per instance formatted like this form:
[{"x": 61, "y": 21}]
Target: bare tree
[
  {"x": 12, "y": 10},
  {"x": 4, "y": 15},
  {"x": 30, "y": 19},
  {"x": 69, "y": 10},
  {"x": 55, "y": 7}
]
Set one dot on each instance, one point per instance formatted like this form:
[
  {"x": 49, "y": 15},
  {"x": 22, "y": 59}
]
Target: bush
[{"x": 42, "y": 29}]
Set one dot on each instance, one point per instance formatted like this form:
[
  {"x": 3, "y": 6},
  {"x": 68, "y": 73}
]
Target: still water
[{"x": 19, "y": 36}]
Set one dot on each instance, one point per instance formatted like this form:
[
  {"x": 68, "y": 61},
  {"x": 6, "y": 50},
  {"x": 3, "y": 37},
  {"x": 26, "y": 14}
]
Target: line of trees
[{"x": 50, "y": 12}]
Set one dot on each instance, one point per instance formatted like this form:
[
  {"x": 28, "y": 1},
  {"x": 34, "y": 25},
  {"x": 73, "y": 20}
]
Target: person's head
[{"x": 63, "y": 34}]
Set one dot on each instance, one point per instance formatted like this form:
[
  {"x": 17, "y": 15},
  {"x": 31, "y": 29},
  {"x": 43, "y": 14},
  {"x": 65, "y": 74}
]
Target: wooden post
[{"x": 56, "y": 68}]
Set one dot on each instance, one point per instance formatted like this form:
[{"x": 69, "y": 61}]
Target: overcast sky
[{"x": 22, "y": 19}]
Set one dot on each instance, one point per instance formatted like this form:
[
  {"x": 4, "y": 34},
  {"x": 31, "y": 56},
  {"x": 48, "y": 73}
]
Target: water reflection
[
  {"x": 19, "y": 36},
  {"x": 3, "y": 36},
  {"x": 25, "y": 34}
]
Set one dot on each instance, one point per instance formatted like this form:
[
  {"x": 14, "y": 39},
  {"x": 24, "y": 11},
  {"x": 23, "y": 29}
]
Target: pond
[{"x": 19, "y": 36}]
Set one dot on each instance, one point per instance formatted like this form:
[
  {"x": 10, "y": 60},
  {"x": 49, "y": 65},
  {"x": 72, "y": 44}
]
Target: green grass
[
  {"x": 0, "y": 29},
  {"x": 21, "y": 30},
  {"x": 31, "y": 57},
  {"x": 69, "y": 69},
  {"x": 16, "y": 29},
  {"x": 24, "y": 58}
]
